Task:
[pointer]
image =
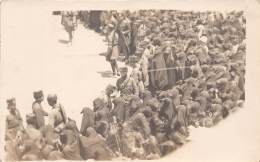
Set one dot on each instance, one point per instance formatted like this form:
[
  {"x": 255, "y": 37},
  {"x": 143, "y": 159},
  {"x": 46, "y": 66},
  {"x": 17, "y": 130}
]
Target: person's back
[
  {"x": 39, "y": 114},
  {"x": 71, "y": 148},
  {"x": 57, "y": 116}
]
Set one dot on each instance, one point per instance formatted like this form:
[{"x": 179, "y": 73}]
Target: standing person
[
  {"x": 126, "y": 84},
  {"x": 124, "y": 30},
  {"x": 133, "y": 36},
  {"x": 94, "y": 20},
  {"x": 141, "y": 31},
  {"x": 113, "y": 49},
  {"x": 67, "y": 22},
  {"x": 57, "y": 116},
  {"x": 170, "y": 64},
  {"x": 14, "y": 121},
  {"x": 38, "y": 109},
  {"x": 158, "y": 74}
]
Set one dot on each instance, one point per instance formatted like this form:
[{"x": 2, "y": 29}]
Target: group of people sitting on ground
[{"x": 182, "y": 69}]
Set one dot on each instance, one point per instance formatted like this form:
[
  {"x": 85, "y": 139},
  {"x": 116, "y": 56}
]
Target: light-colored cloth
[
  {"x": 13, "y": 124},
  {"x": 113, "y": 45},
  {"x": 33, "y": 133},
  {"x": 127, "y": 86},
  {"x": 57, "y": 117}
]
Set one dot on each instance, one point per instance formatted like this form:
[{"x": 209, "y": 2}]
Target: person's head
[
  {"x": 52, "y": 99},
  {"x": 195, "y": 74},
  {"x": 98, "y": 104},
  {"x": 38, "y": 96},
  {"x": 124, "y": 71},
  {"x": 154, "y": 104},
  {"x": 167, "y": 50},
  {"x": 110, "y": 89},
  {"x": 11, "y": 104},
  {"x": 71, "y": 125},
  {"x": 132, "y": 61}
]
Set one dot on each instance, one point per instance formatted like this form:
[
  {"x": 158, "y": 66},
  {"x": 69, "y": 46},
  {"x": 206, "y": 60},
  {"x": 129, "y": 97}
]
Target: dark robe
[
  {"x": 133, "y": 37},
  {"x": 94, "y": 20},
  {"x": 139, "y": 123},
  {"x": 182, "y": 115},
  {"x": 170, "y": 63},
  {"x": 94, "y": 146},
  {"x": 124, "y": 37},
  {"x": 71, "y": 149},
  {"x": 159, "y": 78},
  {"x": 119, "y": 109},
  {"x": 169, "y": 113},
  {"x": 88, "y": 120}
]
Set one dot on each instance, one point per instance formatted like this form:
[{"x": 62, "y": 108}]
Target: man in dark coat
[
  {"x": 124, "y": 30},
  {"x": 170, "y": 64},
  {"x": 180, "y": 65},
  {"x": 158, "y": 74},
  {"x": 134, "y": 36},
  {"x": 94, "y": 20}
]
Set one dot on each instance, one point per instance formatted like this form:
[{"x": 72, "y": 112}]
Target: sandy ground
[
  {"x": 76, "y": 73},
  {"x": 34, "y": 56}
]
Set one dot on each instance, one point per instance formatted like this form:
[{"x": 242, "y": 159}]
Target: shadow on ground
[
  {"x": 106, "y": 74},
  {"x": 63, "y": 41},
  {"x": 102, "y": 54}
]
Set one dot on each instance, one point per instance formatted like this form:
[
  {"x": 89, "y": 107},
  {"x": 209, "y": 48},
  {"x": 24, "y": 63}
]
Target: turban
[
  {"x": 10, "y": 101},
  {"x": 38, "y": 94}
]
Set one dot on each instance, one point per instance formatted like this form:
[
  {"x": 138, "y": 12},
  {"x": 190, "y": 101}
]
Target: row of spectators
[{"x": 183, "y": 68}]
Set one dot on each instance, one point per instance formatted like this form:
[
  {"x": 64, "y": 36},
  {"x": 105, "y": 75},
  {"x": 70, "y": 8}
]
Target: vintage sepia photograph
[{"x": 122, "y": 84}]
